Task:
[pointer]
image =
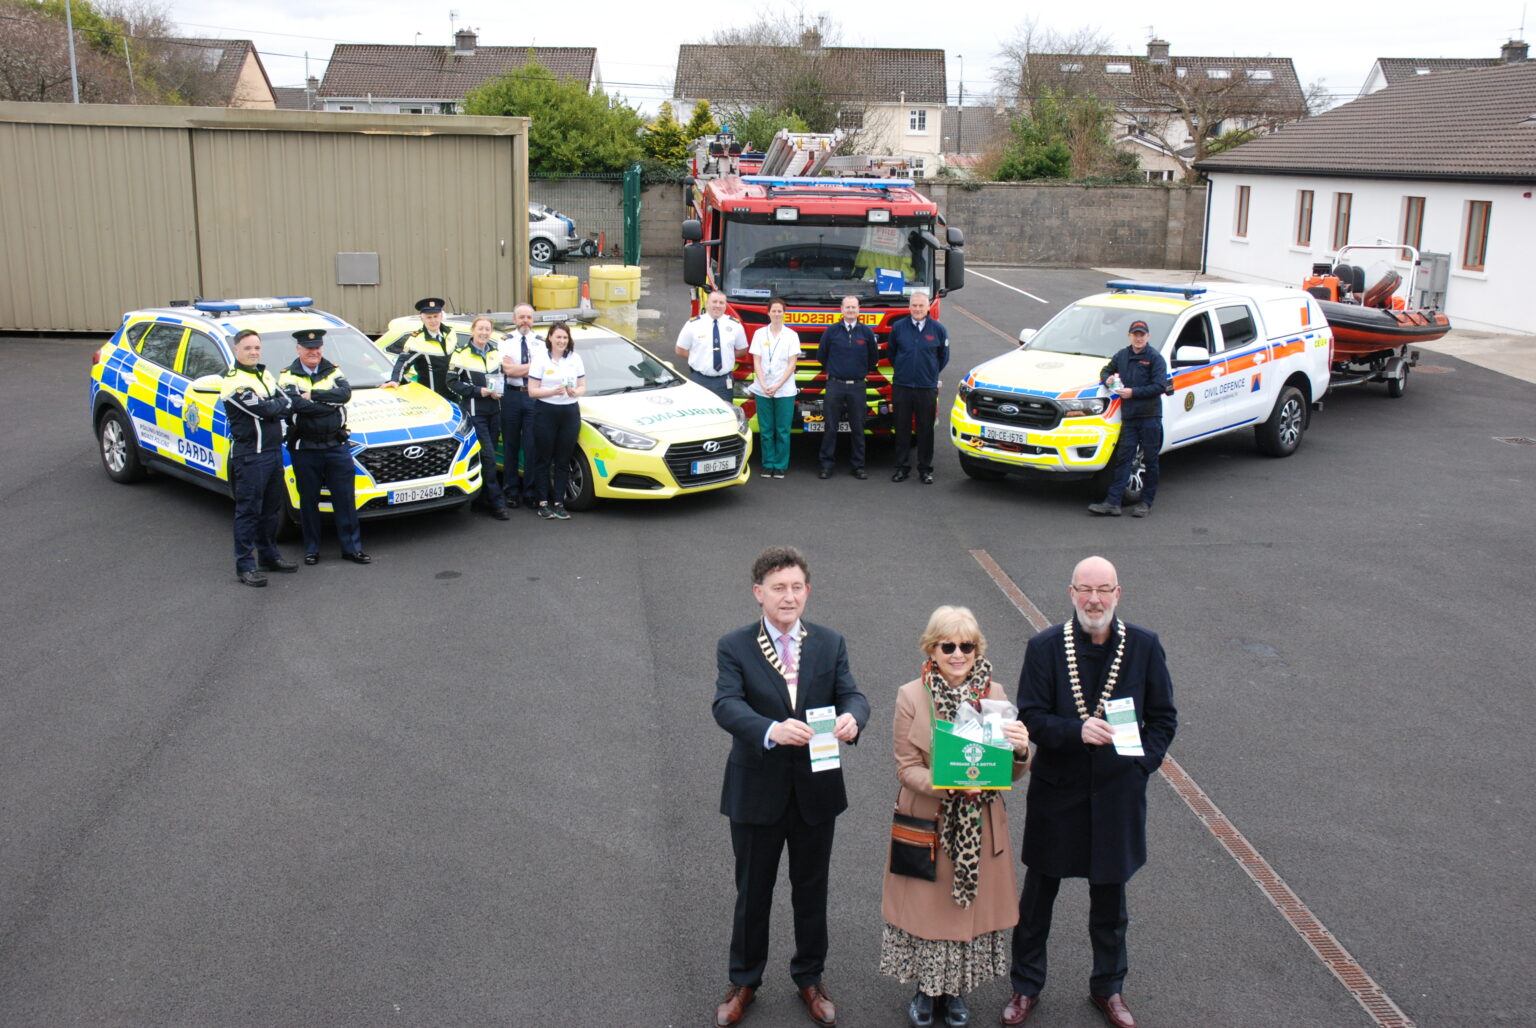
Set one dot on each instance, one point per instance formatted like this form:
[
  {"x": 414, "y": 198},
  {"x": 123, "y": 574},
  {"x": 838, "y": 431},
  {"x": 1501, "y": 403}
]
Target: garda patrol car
[
  {"x": 1239, "y": 356},
  {"x": 646, "y": 432},
  {"x": 155, "y": 404}
]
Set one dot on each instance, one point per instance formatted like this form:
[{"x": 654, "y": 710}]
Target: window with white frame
[
  {"x": 1117, "y": 69},
  {"x": 1261, "y": 74},
  {"x": 1218, "y": 73},
  {"x": 917, "y": 121}
]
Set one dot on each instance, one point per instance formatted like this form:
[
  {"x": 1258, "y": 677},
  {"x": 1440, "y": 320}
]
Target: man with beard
[{"x": 1086, "y": 811}]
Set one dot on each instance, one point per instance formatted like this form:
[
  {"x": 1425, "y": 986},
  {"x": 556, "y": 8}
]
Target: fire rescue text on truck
[{"x": 810, "y": 241}]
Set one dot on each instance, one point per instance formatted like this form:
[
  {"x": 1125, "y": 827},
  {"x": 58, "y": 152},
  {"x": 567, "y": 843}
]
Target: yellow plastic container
[
  {"x": 613, "y": 284},
  {"x": 555, "y": 292}
]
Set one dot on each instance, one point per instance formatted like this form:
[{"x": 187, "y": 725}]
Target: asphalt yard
[{"x": 477, "y": 782}]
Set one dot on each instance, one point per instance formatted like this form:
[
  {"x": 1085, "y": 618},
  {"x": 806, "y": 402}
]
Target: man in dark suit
[
  {"x": 848, "y": 352},
  {"x": 770, "y": 673},
  {"x": 1086, "y": 811}
]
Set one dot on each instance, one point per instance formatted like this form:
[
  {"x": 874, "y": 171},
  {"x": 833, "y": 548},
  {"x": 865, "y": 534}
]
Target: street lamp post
[{"x": 69, "y": 28}]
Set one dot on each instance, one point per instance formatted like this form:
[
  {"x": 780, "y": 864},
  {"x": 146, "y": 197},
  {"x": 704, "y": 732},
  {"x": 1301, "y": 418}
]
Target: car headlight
[
  {"x": 462, "y": 429},
  {"x": 1082, "y": 408},
  {"x": 624, "y": 438},
  {"x": 966, "y": 389},
  {"x": 741, "y": 419}
]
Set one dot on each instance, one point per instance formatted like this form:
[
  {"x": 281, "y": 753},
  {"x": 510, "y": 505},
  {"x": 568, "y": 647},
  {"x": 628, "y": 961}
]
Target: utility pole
[{"x": 69, "y": 27}]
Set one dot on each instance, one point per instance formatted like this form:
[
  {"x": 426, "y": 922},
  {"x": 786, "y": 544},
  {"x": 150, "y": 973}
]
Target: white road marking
[{"x": 1005, "y": 285}]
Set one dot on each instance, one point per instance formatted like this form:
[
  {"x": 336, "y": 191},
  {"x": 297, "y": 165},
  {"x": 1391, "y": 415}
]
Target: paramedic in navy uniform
[
  {"x": 1085, "y": 814},
  {"x": 770, "y": 673},
  {"x": 711, "y": 342},
  {"x": 848, "y": 352},
  {"x": 919, "y": 350}
]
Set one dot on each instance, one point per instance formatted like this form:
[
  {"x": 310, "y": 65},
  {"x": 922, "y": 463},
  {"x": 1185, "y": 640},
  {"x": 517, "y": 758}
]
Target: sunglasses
[{"x": 949, "y": 647}]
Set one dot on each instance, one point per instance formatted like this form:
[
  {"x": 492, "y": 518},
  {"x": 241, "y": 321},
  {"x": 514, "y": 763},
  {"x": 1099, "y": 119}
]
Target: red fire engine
[{"x": 811, "y": 241}]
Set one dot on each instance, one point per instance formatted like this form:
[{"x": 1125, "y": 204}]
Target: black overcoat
[{"x": 1086, "y": 810}]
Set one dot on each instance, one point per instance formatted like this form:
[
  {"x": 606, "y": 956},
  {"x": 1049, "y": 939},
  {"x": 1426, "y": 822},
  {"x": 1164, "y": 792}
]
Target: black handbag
[{"x": 914, "y": 846}]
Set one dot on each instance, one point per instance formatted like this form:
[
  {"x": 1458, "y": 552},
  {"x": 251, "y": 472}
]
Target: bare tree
[
  {"x": 34, "y": 62},
  {"x": 1033, "y": 61}
]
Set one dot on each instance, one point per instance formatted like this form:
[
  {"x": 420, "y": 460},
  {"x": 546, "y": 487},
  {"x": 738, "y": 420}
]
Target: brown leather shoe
[
  {"x": 1018, "y": 1009},
  {"x": 819, "y": 1004},
  {"x": 1114, "y": 1010},
  {"x": 734, "y": 1007}
]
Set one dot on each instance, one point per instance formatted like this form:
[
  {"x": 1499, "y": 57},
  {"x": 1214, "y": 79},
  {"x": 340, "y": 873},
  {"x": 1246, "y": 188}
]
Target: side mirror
[
  {"x": 693, "y": 230},
  {"x": 695, "y": 265},
  {"x": 954, "y": 269},
  {"x": 1191, "y": 354},
  {"x": 208, "y": 384},
  {"x": 1027, "y": 334},
  {"x": 955, "y": 237}
]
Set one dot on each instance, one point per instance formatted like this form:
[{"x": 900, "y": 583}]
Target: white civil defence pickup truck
[{"x": 1239, "y": 356}]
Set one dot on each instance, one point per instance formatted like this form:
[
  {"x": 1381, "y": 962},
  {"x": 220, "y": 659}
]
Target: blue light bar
[
  {"x": 1127, "y": 286},
  {"x": 866, "y": 183},
  {"x": 254, "y": 303}
]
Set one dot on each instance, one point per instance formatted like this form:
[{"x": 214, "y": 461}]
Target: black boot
[
  {"x": 920, "y": 1010},
  {"x": 956, "y": 1013}
]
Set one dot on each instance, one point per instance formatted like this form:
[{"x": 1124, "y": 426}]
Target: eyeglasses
[
  {"x": 966, "y": 648},
  {"x": 1088, "y": 590}
]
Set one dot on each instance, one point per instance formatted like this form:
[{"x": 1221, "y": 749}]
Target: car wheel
[
  {"x": 542, "y": 251},
  {"x": 981, "y": 470},
  {"x": 581, "y": 493},
  {"x": 1396, "y": 387},
  {"x": 119, "y": 448},
  {"x": 1280, "y": 435}
]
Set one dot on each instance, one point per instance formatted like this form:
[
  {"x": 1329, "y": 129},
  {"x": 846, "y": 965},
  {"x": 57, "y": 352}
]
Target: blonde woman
[
  {"x": 775, "y": 353},
  {"x": 952, "y": 934}
]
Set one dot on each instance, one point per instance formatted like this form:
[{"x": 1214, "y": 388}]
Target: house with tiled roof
[
  {"x": 235, "y": 75},
  {"x": 1167, "y": 106},
  {"x": 298, "y": 98},
  {"x": 1390, "y": 71},
  {"x": 388, "y": 79},
  {"x": 892, "y": 98},
  {"x": 1445, "y": 163}
]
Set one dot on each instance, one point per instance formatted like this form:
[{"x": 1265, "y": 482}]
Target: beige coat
[{"x": 926, "y": 909}]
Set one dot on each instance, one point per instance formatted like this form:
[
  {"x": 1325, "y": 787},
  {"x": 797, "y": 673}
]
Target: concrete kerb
[{"x": 1512, "y": 355}]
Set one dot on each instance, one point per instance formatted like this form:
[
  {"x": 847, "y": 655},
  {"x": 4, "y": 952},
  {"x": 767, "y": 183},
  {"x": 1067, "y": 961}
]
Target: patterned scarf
[{"x": 960, "y": 815}]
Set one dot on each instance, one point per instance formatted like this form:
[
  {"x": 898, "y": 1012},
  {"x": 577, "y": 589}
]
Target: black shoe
[
  {"x": 920, "y": 1010},
  {"x": 546, "y": 512},
  {"x": 500, "y": 514},
  {"x": 925, "y": 477},
  {"x": 824, "y": 473},
  {"x": 859, "y": 473},
  {"x": 311, "y": 559},
  {"x": 255, "y": 578},
  {"x": 1111, "y": 510},
  {"x": 560, "y": 514},
  {"x": 357, "y": 558},
  {"x": 513, "y": 502},
  {"x": 287, "y": 567},
  {"x": 778, "y": 472},
  {"x": 956, "y": 1013},
  {"x": 901, "y": 475}
]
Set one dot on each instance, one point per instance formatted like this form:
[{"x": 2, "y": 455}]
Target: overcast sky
[{"x": 637, "y": 42}]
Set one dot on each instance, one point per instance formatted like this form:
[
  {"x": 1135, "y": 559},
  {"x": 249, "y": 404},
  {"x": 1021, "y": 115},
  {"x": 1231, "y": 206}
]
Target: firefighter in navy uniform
[
  {"x": 427, "y": 350},
  {"x": 317, "y": 445},
  {"x": 476, "y": 378},
  {"x": 255, "y": 407}
]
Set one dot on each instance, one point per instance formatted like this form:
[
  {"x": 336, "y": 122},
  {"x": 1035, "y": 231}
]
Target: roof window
[
  {"x": 1117, "y": 69},
  {"x": 1261, "y": 74},
  {"x": 1218, "y": 73},
  {"x": 1072, "y": 67}
]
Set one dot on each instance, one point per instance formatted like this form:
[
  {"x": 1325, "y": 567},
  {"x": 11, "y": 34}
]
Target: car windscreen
[
  {"x": 362, "y": 364},
  {"x": 615, "y": 365},
  {"x": 1095, "y": 331},
  {"x": 818, "y": 259}
]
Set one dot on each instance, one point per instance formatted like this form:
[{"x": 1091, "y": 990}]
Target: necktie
[
  {"x": 719, "y": 361},
  {"x": 791, "y": 673},
  {"x": 525, "y": 349}
]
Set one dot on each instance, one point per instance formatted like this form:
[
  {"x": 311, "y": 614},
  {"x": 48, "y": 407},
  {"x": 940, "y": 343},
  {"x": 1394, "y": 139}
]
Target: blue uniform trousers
[
  {"x": 1148, "y": 433},
  {"x": 333, "y": 469},
  {"x": 840, "y": 401},
  {"x": 488, "y": 429},
  {"x": 260, "y": 496},
  {"x": 517, "y": 440}
]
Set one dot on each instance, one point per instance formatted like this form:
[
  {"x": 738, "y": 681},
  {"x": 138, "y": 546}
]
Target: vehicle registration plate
[
  {"x": 705, "y": 467},
  {"x": 1005, "y": 435},
  {"x": 821, "y": 426},
  {"x": 425, "y": 492}
]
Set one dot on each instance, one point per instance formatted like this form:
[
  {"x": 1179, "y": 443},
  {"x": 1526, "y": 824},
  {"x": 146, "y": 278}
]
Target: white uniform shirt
[
  {"x": 698, "y": 338},
  {"x": 548, "y": 371},
  {"x": 512, "y": 347},
  {"x": 778, "y": 354}
]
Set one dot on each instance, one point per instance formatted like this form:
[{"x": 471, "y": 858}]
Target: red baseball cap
[{"x": 1139, "y": 326}]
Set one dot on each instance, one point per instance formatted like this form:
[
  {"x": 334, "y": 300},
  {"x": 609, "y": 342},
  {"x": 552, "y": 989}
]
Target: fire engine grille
[
  {"x": 1023, "y": 411},
  {"x": 407, "y": 461},
  {"x": 681, "y": 456}
]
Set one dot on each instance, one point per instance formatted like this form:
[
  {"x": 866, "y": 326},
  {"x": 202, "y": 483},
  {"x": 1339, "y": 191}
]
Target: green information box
[{"x": 960, "y": 763}]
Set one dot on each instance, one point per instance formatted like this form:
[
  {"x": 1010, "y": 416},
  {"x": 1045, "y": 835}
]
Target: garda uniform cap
[
  {"x": 310, "y": 338},
  {"x": 431, "y": 305},
  {"x": 1138, "y": 326}
]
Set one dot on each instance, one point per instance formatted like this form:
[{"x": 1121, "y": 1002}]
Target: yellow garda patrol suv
[
  {"x": 155, "y": 405},
  {"x": 1239, "y": 356},
  {"x": 646, "y": 432}
]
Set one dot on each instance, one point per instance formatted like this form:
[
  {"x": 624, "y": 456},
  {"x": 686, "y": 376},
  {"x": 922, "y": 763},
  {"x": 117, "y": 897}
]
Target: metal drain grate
[{"x": 1515, "y": 440}]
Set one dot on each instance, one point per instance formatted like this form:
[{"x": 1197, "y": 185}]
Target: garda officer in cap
[
  {"x": 427, "y": 349},
  {"x": 476, "y": 378},
  {"x": 255, "y": 406},
  {"x": 317, "y": 445}
]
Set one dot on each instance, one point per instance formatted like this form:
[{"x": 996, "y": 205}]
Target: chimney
[
  {"x": 810, "y": 42},
  {"x": 464, "y": 43},
  {"x": 1157, "y": 51},
  {"x": 1515, "y": 51}
]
